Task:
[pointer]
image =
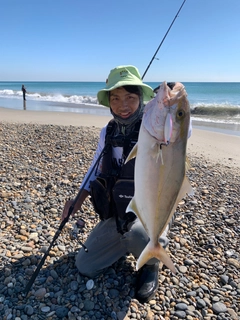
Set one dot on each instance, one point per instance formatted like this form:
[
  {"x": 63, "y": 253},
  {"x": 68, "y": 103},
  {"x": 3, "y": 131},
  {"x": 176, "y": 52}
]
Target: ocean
[{"x": 212, "y": 103}]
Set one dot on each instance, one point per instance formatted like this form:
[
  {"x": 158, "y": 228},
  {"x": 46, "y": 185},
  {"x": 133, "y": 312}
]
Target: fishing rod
[
  {"x": 162, "y": 40},
  {"x": 34, "y": 275}
]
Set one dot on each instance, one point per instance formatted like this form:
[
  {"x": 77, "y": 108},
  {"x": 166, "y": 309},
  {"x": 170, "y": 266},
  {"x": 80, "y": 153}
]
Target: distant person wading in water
[{"x": 24, "y": 92}]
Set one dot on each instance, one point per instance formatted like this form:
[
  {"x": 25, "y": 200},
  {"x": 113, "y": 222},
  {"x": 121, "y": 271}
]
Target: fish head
[
  {"x": 155, "y": 113},
  {"x": 180, "y": 114},
  {"x": 166, "y": 117}
]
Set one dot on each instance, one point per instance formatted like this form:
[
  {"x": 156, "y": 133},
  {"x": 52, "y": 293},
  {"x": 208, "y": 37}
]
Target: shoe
[{"x": 147, "y": 282}]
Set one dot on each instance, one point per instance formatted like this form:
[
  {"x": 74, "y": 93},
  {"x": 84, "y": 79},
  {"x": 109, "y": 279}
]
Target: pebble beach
[{"x": 42, "y": 163}]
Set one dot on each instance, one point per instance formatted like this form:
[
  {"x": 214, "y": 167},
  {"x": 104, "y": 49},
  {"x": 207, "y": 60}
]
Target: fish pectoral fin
[
  {"x": 157, "y": 252},
  {"x": 159, "y": 157},
  {"x": 132, "y": 154},
  {"x": 156, "y": 153}
]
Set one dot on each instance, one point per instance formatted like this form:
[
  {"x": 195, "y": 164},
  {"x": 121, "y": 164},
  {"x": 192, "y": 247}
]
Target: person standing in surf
[{"x": 24, "y": 91}]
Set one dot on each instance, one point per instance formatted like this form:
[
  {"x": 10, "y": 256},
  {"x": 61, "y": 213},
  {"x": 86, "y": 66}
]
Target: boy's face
[{"x": 123, "y": 103}]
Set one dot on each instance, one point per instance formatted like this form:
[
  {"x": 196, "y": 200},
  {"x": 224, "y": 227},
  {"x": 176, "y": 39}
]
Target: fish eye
[{"x": 180, "y": 114}]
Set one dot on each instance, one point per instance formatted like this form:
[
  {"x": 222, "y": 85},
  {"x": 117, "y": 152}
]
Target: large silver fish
[{"x": 160, "y": 181}]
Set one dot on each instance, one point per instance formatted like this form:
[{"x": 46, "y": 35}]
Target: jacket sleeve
[{"x": 95, "y": 173}]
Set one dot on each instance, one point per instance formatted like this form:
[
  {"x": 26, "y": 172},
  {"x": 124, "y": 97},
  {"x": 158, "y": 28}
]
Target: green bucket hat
[{"x": 124, "y": 76}]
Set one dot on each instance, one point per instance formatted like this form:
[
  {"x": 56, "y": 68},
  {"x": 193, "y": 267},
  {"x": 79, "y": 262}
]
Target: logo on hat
[{"x": 123, "y": 73}]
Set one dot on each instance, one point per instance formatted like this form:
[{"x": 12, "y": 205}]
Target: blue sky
[{"x": 77, "y": 40}]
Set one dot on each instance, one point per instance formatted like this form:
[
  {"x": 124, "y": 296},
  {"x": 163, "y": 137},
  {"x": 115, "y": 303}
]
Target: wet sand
[{"x": 218, "y": 147}]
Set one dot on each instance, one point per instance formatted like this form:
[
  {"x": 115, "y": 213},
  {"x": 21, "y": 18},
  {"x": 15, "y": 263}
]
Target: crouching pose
[{"x": 111, "y": 185}]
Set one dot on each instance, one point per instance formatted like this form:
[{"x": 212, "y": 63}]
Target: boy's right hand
[{"x": 66, "y": 209}]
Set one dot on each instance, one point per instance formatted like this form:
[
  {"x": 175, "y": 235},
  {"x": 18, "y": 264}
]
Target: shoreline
[
  {"x": 41, "y": 116},
  {"x": 54, "y": 117},
  {"x": 216, "y": 144},
  {"x": 226, "y": 128}
]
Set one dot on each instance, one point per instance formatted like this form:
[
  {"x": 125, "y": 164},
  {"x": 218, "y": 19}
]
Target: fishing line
[{"x": 163, "y": 40}]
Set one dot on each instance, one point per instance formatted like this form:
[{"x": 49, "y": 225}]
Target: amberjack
[{"x": 159, "y": 178}]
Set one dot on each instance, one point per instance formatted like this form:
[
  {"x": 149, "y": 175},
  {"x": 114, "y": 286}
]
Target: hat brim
[{"x": 103, "y": 94}]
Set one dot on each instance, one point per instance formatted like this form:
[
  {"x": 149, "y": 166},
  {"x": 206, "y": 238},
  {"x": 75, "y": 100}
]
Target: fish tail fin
[{"x": 158, "y": 252}]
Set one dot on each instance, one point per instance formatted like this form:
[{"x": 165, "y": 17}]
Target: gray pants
[{"x": 105, "y": 246}]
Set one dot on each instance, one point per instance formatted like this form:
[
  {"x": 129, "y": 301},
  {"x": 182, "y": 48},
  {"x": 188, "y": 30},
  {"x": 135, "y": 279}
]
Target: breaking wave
[
  {"x": 74, "y": 99},
  {"x": 212, "y": 110}
]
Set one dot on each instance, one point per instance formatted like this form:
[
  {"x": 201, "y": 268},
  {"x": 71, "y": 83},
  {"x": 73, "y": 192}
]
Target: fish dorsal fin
[
  {"x": 133, "y": 153},
  {"x": 187, "y": 164},
  {"x": 186, "y": 187}
]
